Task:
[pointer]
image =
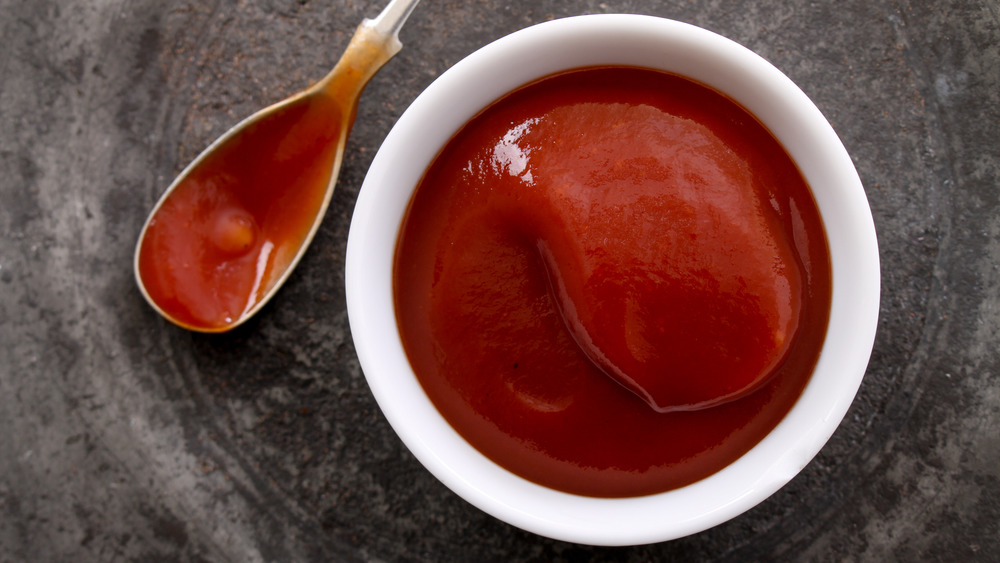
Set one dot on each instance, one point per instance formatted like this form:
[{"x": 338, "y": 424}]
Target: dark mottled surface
[{"x": 124, "y": 438}]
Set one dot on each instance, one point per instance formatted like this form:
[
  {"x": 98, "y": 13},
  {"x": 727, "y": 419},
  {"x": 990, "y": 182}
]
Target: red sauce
[
  {"x": 228, "y": 232},
  {"x": 613, "y": 282}
]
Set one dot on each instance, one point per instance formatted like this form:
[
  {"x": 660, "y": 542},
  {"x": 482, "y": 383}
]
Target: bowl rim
[{"x": 634, "y": 40}]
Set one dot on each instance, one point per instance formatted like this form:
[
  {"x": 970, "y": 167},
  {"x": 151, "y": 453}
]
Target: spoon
[{"x": 232, "y": 226}]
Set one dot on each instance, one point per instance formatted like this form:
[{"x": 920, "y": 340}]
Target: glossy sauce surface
[
  {"x": 228, "y": 232},
  {"x": 613, "y": 282}
]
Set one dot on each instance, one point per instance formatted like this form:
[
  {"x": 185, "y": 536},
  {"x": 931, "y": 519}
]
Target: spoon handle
[
  {"x": 373, "y": 44},
  {"x": 391, "y": 20}
]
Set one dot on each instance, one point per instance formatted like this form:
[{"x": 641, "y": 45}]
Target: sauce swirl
[{"x": 613, "y": 281}]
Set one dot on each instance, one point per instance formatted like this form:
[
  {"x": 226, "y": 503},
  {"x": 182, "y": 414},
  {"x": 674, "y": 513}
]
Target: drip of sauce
[
  {"x": 230, "y": 229},
  {"x": 613, "y": 282}
]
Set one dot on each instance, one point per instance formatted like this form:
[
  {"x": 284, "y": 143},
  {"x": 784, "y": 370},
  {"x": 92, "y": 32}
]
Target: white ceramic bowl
[{"x": 644, "y": 41}]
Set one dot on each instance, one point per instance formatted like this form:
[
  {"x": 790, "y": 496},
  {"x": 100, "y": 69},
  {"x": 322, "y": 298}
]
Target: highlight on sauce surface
[
  {"x": 613, "y": 281},
  {"x": 228, "y": 232}
]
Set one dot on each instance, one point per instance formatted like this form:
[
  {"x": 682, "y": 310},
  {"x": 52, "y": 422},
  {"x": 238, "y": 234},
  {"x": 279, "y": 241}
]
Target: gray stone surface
[{"x": 124, "y": 438}]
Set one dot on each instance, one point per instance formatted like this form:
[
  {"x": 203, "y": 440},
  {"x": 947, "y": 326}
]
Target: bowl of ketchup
[{"x": 613, "y": 279}]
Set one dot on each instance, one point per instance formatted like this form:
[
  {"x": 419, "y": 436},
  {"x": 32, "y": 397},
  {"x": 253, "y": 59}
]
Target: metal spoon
[{"x": 232, "y": 226}]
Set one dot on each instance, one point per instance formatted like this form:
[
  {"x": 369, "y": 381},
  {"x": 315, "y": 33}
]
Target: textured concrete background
[{"x": 124, "y": 438}]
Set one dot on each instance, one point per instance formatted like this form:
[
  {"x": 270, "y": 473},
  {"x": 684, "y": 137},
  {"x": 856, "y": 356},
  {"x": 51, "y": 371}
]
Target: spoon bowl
[{"x": 229, "y": 230}]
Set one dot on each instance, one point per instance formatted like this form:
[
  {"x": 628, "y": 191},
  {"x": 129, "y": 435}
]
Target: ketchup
[
  {"x": 613, "y": 281},
  {"x": 229, "y": 231}
]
